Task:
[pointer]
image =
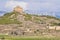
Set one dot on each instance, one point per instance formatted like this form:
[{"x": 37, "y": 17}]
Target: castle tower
[{"x": 18, "y": 9}]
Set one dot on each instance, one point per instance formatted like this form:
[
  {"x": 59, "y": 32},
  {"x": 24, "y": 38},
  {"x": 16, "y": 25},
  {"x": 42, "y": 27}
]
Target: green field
[{"x": 28, "y": 38}]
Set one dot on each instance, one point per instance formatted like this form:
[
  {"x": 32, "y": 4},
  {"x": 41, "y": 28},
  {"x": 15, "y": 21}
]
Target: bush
[
  {"x": 28, "y": 17},
  {"x": 56, "y": 24}
]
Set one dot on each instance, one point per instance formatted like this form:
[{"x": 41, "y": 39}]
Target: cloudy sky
[{"x": 35, "y": 5}]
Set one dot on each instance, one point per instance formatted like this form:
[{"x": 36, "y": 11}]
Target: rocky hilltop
[{"x": 19, "y": 23}]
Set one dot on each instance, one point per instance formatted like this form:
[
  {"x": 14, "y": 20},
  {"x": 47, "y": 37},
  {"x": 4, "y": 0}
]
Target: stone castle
[{"x": 18, "y": 9}]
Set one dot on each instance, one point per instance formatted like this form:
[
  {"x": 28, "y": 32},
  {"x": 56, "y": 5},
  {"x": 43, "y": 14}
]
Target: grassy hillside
[
  {"x": 6, "y": 20},
  {"x": 28, "y": 25}
]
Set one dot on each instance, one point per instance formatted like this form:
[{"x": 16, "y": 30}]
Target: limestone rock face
[{"x": 18, "y": 9}]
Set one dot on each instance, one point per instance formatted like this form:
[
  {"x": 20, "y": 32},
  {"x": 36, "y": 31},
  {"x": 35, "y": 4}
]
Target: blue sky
[{"x": 35, "y": 5}]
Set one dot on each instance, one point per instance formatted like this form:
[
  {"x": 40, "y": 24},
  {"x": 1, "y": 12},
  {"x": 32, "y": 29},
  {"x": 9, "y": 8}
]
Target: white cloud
[{"x": 11, "y": 4}]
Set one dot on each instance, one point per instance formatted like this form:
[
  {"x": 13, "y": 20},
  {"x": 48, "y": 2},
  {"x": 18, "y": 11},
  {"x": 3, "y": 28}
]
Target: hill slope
[{"x": 15, "y": 23}]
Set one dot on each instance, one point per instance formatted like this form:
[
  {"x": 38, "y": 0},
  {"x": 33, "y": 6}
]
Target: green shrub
[
  {"x": 28, "y": 17},
  {"x": 37, "y": 20},
  {"x": 55, "y": 24},
  {"x": 9, "y": 14}
]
